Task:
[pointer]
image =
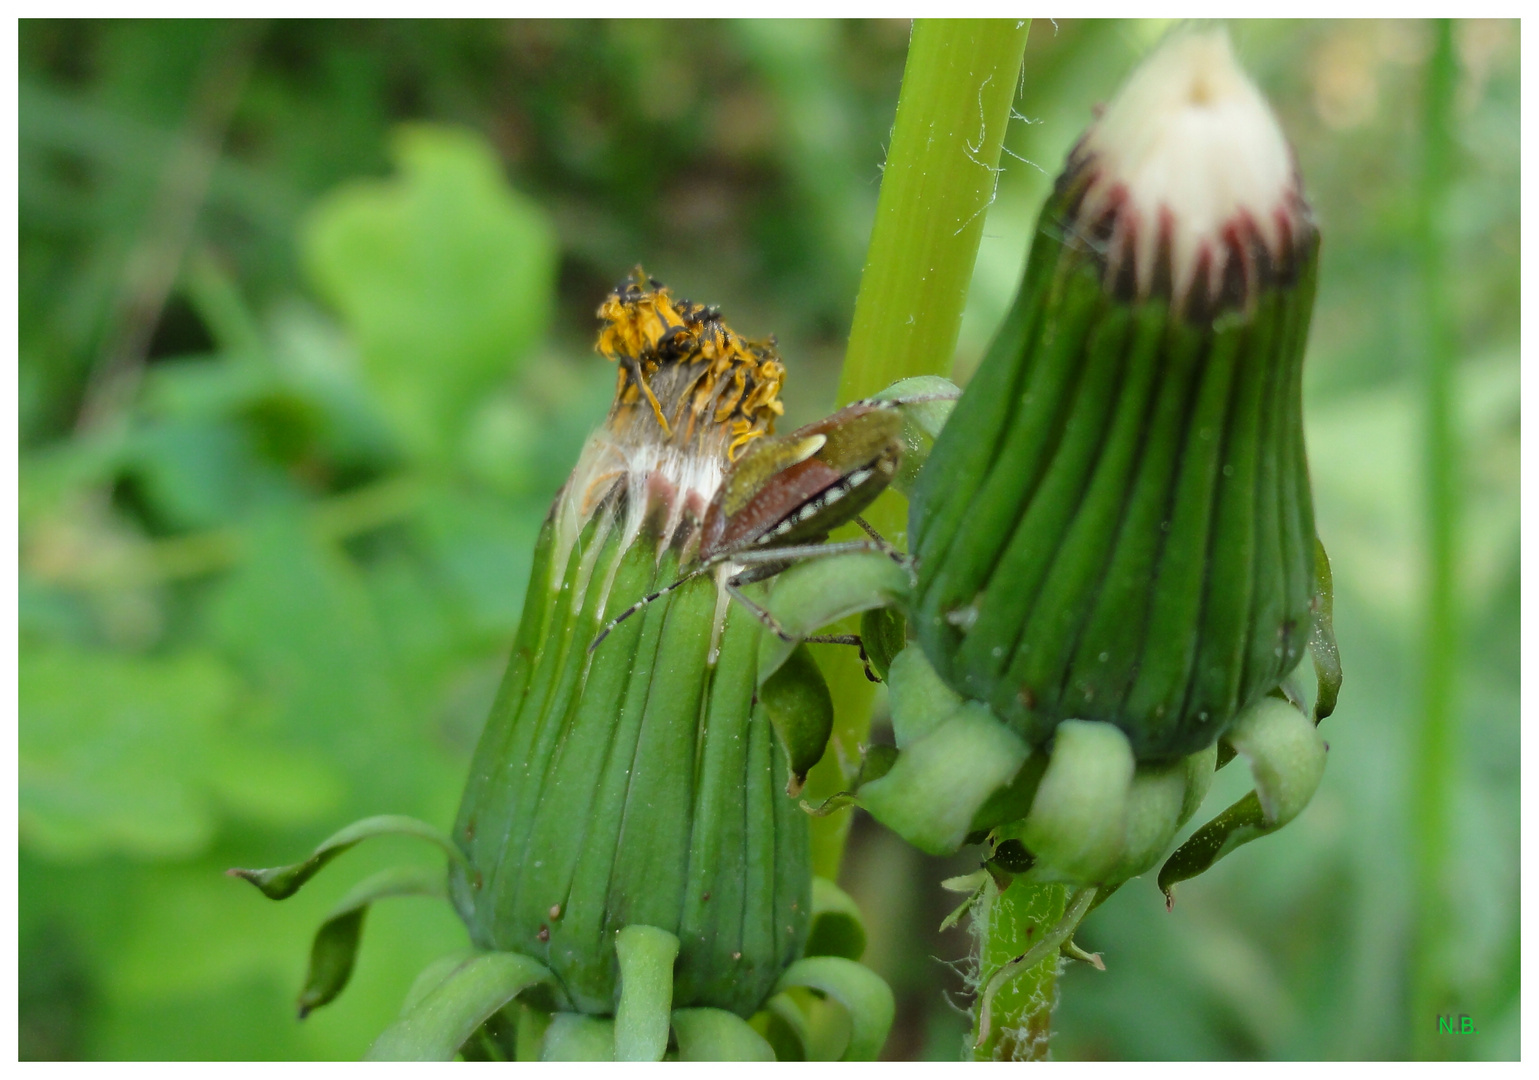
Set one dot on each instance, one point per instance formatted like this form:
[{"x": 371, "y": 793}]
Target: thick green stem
[
  {"x": 937, "y": 184},
  {"x": 1018, "y": 934},
  {"x": 1436, "y": 739}
]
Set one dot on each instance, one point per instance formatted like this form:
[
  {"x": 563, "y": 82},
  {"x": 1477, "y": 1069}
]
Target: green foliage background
[{"x": 305, "y": 351}]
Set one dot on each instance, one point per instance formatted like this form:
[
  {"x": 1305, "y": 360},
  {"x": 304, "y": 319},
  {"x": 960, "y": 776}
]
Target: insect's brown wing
[
  {"x": 780, "y": 495},
  {"x": 730, "y": 512},
  {"x": 771, "y": 514}
]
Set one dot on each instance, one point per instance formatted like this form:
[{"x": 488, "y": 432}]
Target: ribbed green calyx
[
  {"x": 640, "y": 783},
  {"x": 1116, "y": 523}
]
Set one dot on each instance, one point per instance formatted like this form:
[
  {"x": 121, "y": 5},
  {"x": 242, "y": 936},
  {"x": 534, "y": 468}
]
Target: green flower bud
[
  {"x": 639, "y": 783},
  {"x": 627, "y": 853},
  {"x": 1116, "y": 523},
  {"x": 1114, "y": 549}
]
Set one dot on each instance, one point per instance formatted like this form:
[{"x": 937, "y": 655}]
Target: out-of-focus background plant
[{"x": 306, "y": 320}]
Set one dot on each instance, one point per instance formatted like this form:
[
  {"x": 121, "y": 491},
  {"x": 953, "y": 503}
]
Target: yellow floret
[{"x": 698, "y": 376}]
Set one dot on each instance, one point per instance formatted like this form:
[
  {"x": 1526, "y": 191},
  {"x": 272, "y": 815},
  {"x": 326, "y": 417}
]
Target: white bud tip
[{"x": 1191, "y": 176}]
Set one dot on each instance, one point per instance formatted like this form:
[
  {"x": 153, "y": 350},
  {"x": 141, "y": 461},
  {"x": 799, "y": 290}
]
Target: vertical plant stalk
[
  {"x": 938, "y": 182},
  {"x": 1013, "y": 1018},
  {"x": 1436, "y": 740}
]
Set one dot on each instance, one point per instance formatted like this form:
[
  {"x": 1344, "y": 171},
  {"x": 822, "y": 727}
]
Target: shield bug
[{"x": 782, "y": 498}]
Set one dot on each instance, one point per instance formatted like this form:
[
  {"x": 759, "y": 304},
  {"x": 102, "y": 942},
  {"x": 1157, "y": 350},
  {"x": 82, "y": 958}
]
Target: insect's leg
[
  {"x": 881, "y": 542},
  {"x": 759, "y": 572},
  {"x": 734, "y": 588},
  {"x": 755, "y": 556},
  {"x": 644, "y": 601},
  {"x": 848, "y": 639}
]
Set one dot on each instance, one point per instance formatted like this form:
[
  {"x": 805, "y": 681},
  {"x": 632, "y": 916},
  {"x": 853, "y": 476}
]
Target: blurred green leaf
[
  {"x": 444, "y": 274},
  {"x": 263, "y": 781},
  {"x": 113, "y": 750},
  {"x": 196, "y": 474},
  {"x": 140, "y": 755},
  {"x": 481, "y": 548},
  {"x": 298, "y": 618}
]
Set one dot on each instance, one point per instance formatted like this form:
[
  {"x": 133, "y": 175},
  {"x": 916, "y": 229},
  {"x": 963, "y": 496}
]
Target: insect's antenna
[
  {"x": 911, "y": 399},
  {"x": 644, "y": 601}
]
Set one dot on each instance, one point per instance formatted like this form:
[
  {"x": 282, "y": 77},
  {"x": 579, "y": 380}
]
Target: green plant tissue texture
[{"x": 274, "y": 589}]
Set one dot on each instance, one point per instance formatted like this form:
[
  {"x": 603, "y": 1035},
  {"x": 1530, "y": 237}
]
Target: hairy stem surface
[{"x": 1013, "y": 1017}]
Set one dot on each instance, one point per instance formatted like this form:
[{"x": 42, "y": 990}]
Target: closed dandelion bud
[
  {"x": 641, "y": 782},
  {"x": 1116, "y": 523}
]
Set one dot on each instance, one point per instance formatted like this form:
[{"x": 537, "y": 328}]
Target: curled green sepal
[
  {"x": 865, "y": 997},
  {"x": 834, "y": 803},
  {"x": 1161, "y": 799},
  {"x": 802, "y": 711},
  {"x": 1077, "y": 820},
  {"x": 1074, "y": 952},
  {"x": 935, "y": 789},
  {"x": 282, "y": 882},
  {"x": 646, "y": 957},
  {"x": 1286, "y": 757},
  {"x": 1322, "y": 639},
  {"x": 927, "y": 401},
  {"x": 429, "y": 977},
  {"x": 336, "y": 942},
  {"x": 1151, "y": 817},
  {"x": 717, "y": 1035},
  {"x": 814, "y": 593},
  {"x": 784, "y": 1026},
  {"x": 837, "y": 929},
  {"x": 435, "y": 1027},
  {"x": 577, "y": 1037},
  {"x": 919, "y": 700}
]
